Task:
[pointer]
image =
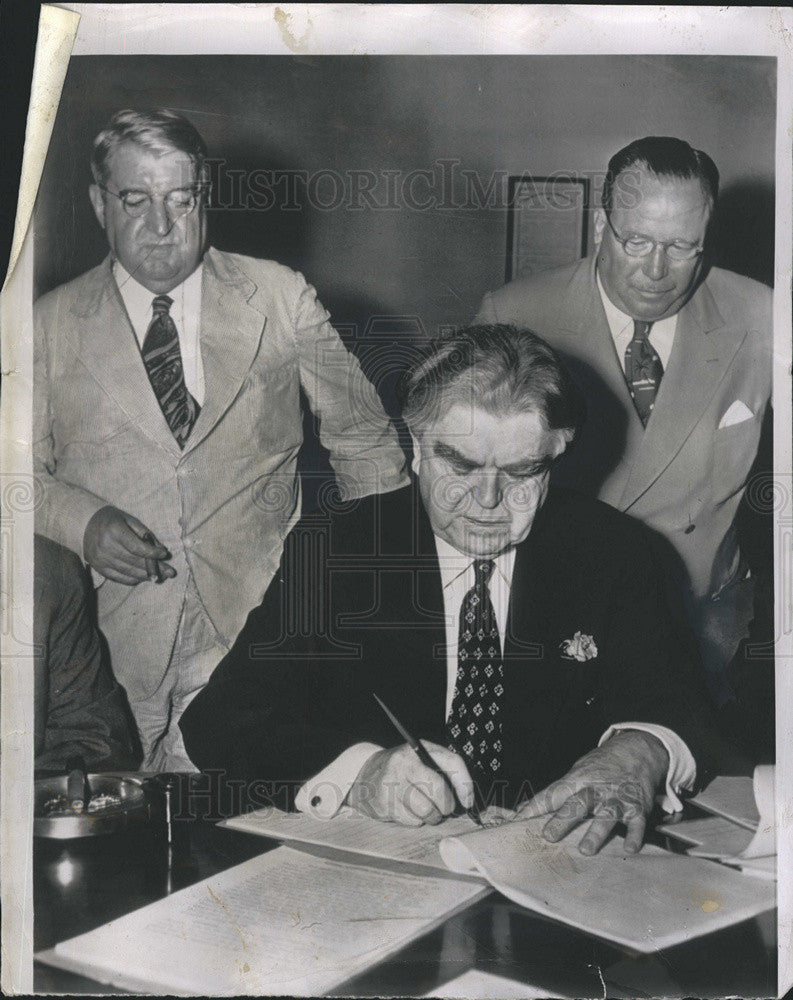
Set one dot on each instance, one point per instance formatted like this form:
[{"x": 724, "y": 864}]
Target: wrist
[{"x": 646, "y": 750}]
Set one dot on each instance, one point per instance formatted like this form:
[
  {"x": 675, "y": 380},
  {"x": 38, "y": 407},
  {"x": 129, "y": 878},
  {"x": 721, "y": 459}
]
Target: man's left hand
[{"x": 614, "y": 783}]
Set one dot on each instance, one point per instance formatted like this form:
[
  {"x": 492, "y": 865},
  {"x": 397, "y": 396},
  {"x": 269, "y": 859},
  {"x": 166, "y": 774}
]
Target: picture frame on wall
[{"x": 547, "y": 222}]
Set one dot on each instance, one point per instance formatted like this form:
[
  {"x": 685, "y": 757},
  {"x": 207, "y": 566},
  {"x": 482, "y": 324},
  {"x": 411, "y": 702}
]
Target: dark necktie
[
  {"x": 643, "y": 370},
  {"x": 163, "y": 361},
  {"x": 474, "y": 726}
]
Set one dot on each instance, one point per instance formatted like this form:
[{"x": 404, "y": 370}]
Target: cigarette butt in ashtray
[{"x": 75, "y": 789}]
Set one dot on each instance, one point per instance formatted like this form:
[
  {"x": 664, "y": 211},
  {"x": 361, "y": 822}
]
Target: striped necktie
[
  {"x": 643, "y": 370},
  {"x": 163, "y": 361}
]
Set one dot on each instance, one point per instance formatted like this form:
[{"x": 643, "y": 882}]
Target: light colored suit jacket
[
  {"x": 223, "y": 505},
  {"x": 685, "y": 474}
]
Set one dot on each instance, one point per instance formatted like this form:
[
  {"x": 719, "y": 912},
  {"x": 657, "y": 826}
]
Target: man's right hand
[
  {"x": 114, "y": 545},
  {"x": 394, "y": 786}
]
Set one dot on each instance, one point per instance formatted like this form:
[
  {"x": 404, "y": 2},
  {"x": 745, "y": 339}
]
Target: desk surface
[{"x": 80, "y": 885}]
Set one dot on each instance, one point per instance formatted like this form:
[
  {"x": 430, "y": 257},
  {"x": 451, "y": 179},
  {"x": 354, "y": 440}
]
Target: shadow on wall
[{"x": 744, "y": 236}]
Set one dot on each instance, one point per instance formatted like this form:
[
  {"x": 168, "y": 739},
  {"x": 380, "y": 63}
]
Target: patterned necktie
[
  {"x": 473, "y": 729},
  {"x": 643, "y": 370},
  {"x": 163, "y": 361}
]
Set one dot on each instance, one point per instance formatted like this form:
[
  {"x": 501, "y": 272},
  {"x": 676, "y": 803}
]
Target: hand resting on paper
[
  {"x": 115, "y": 544},
  {"x": 614, "y": 783},
  {"x": 394, "y": 786}
]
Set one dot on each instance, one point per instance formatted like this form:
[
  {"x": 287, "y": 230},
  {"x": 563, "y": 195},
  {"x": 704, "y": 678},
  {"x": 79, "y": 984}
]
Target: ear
[
  {"x": 600, "y": 225},
  {"x": 98, "y": 202},
  {"x": 416, "y": 463}
]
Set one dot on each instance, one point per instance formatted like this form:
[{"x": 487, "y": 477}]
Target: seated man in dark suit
[
  {"x": 521, "y": 632},
  {"x": 79, "y": 710}
]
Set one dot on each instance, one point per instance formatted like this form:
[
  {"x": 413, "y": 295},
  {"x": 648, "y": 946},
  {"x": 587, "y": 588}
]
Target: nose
[
  {"x": 487, "y": 491},
  {"x": 655, "y": 263},
  {"x": 157, "y": 218}
]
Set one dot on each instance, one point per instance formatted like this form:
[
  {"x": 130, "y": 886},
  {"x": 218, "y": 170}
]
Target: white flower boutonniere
[{"x": 581, "y": 647}]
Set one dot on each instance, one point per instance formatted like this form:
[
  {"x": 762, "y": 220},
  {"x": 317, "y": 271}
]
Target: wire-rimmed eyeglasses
[
  {"x": 641, "y": 246},
  {"x": 179, "y": 202}
]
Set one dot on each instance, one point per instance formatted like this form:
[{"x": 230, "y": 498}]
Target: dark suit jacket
[
  {"x": 79, "y": 709},
  {"x": 357, "y": 607}
]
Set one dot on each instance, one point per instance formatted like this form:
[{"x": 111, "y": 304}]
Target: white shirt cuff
[
  {"x": 323, "y": 795},
  {"x": 682, "y": 769}
]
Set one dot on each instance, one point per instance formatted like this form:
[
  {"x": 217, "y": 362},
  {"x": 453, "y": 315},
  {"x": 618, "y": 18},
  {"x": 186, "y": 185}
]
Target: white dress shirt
[
  {"x": 185, "y": 312},
  {"x": 324, "y": 794},
  {"x": 662, "y": 333}
]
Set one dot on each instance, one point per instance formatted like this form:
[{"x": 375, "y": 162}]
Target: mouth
[{"x": 487, "y": 524}]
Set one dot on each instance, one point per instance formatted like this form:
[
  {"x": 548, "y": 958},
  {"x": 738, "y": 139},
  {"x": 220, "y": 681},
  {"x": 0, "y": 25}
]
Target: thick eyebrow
[
  {"x": 530, "y": 467},
  {"x": 452, "y": 454},
  {"x": 185, "y": 187}
]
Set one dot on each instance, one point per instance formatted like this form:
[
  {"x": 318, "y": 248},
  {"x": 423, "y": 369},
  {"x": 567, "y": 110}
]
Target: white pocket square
[{"x": 736, "y": 414}]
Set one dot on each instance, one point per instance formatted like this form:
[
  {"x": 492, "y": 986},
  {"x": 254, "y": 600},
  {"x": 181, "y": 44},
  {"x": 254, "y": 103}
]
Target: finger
[
  {"x": 597, "y": 834},
  {"x": 548, "y": 800},
  {"x": 399, "y": 813},
  {"x": 438, "y": 789},
  {"x": 118, "y": 559},
  {"x": 140, "y": 540},
  {"x": 454, "y": 768},
  {"x": 167, "y": 570},
  {"x": 635, "y": 835},
  {"x": 572, "y": 811},
  {"x": 117, "y": 577},
  {"x": 417, "y": 801}
]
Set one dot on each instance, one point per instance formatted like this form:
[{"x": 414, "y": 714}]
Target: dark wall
[{"x": 493, "y": 115}]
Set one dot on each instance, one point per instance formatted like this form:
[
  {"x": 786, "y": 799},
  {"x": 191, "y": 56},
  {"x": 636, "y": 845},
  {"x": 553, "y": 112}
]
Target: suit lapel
[
  {"x": 231, "y": 331},
  {"x": 613, "y": 428},
  {"x": 108, "y": 348},
  {"x": 703, "y": 349}
]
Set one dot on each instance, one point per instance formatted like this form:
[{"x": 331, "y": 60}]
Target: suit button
[{"x": 689, "y": 529}]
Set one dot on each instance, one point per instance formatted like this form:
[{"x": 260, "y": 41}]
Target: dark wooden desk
[{"x": 81, "y": 885}]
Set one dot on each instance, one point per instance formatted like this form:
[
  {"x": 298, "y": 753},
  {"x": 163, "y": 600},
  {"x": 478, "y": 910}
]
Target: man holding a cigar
[{"x": 168, "y": 420}]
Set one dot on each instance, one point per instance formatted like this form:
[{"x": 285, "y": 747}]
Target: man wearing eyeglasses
[
  {"x": 168, "y": 420},
  {"x": 674, "y": 358}
]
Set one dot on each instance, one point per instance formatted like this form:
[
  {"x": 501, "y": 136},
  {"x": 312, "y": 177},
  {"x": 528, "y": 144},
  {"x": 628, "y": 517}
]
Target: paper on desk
[
  {"x": 478, "y": 985},
  {"x": 731, "y": 797},
  {"x": 646, "y": 901},
  {"x": 350, "y": 831},
  {"x": 724, "y": 839},
  {"x": 284, "y": 923}
]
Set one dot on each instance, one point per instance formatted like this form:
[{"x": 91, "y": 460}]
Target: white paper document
[
  {"x": 739, "y": 833},
  {"x": 350, "y": 831},
  {"x": 284, "y": 923},
  {"x": 645, "y": 901}
]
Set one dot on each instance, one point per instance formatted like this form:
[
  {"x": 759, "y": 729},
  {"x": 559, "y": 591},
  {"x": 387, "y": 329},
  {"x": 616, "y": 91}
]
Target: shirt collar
[
  {"x": 619, "y": 321},
  {"x": 454, "y": 563},
  {"x": 138, "y": 298}
]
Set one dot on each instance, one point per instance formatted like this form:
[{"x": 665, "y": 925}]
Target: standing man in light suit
[
  {"x": 168, "y": 420},
  {"x": 674, "y": 359}
]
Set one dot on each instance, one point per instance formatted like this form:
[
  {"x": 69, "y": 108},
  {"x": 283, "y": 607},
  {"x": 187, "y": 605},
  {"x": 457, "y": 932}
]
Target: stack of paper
[
  {"x": 646, "y": 901},
  {"x": 285, "y": 923},
  {"x": 741, "y": 828}
]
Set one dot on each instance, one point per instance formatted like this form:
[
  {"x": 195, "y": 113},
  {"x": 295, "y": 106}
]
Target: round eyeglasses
[
  {"x": 642, "y": 246},
  {"x": 179, "y": 202}
]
